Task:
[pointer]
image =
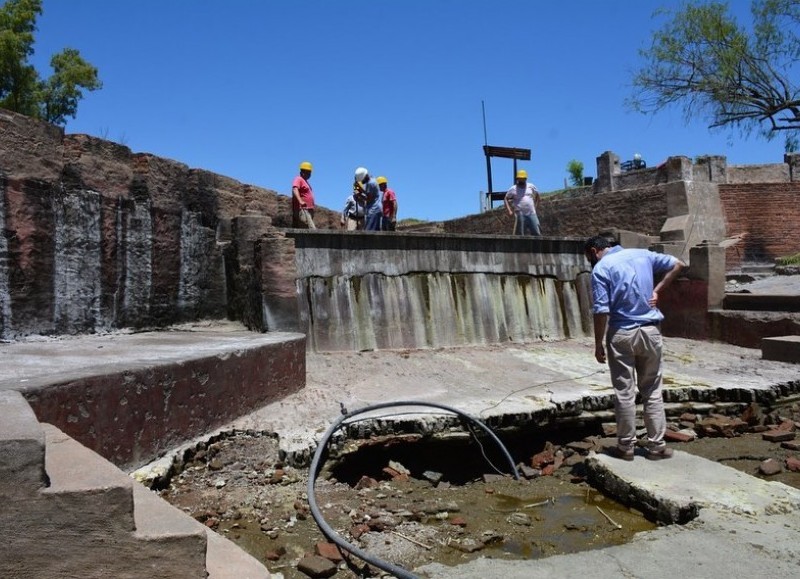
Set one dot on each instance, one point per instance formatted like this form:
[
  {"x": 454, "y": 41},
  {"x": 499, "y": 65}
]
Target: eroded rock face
[{"x": 97, "y": 237}]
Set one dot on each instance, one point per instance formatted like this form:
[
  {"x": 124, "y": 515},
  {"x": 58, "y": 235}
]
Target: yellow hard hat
[
  {"x": 306, "y": 166},
  {"x": 522, "y": 174},
  {"x": 381, "y": 180}
]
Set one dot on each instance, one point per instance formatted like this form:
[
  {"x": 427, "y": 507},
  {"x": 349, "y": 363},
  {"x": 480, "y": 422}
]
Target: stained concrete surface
[
  {"x": 735, "y": 535},
  {"x": 41, "y": 360},
  {"x": 745, "y": 525}
]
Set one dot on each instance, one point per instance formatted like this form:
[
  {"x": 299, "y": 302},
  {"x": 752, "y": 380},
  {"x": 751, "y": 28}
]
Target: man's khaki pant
[{"x": 634, "y": 359}]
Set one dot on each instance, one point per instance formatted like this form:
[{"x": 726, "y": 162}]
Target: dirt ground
[{"x": 238, "y": 486}]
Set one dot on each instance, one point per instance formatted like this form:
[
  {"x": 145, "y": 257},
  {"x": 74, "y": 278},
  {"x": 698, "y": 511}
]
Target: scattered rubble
[{"x": 239, "y": 486}]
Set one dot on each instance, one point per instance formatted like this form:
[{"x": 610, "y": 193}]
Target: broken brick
[
  {"x": 316, "y": 566},
  {"x": 679, "y": 436},
  {"x": 329, "y": 550},
  {"x": 770, "y": 467},
  {"x": 775, "y": 435}
]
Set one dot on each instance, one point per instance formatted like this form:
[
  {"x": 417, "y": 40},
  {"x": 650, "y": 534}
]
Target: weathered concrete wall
[
  {"x": 765, "y": 173},
  {"x": 362, "y": 291},
  {"x": 132, "y": 412}
]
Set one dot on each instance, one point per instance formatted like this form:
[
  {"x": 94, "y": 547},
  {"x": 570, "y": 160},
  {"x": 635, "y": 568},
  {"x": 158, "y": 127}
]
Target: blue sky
[{"x": 250, "y": 88}]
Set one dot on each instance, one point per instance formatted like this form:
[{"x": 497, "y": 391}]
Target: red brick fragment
[
  {"x": 674, "y": 436},
  {"x": 329, "y": 550},
  {"x": 775, "y": 435}
]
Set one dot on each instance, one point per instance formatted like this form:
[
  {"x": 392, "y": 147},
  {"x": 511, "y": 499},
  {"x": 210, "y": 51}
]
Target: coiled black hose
[{"x": 327, "y": 530}]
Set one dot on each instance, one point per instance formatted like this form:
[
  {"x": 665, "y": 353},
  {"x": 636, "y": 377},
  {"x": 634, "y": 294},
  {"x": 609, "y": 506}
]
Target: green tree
[
  {"x": 575, "y": 170},
  {"x": 21, "y": 89},
  {"x": 704, "y": 61}
]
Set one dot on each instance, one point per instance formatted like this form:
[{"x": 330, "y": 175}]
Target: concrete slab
[
  {"x": 743, "y": 526},
  {"x": 131, "y": 397},
  {"x": 539, "y": 380},
  {"x": 782, "y": 348}
]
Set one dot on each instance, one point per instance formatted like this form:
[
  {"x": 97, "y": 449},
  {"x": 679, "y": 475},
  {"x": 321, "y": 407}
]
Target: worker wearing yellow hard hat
[
  {"x": 303, "y": 198},
  {"x": 522, "y": 201}
]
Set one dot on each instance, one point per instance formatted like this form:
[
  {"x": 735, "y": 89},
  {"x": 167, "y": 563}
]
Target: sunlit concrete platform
[
  {"x": 131, "y": 397},
  {"x": 747, "y": 528},
  {"x": 544, "y": 383}
]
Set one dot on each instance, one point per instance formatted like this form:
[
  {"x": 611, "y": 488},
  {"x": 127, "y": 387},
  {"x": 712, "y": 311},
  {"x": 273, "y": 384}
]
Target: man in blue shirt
[
  {"x": 374, "y": 207},
  {"x": 624, "y": 304}
]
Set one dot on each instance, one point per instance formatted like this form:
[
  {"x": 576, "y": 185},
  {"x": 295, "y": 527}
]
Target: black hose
[{"x": 326, "y": 529}]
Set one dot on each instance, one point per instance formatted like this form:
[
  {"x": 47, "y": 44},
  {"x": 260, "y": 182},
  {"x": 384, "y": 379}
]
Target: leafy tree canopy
[
  {"x": 716, "y": 69},
  {"x": 21, "y": 89}
]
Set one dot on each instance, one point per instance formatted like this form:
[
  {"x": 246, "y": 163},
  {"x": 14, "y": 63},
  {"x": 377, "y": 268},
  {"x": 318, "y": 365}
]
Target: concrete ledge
[
  {"x": 781, "y": 348},
  {"x": 131, "y": 397},
  {"x": 748, "y": 328},
  {"x": 22, "y": 447},
  {"x": 762, "y": 302}
]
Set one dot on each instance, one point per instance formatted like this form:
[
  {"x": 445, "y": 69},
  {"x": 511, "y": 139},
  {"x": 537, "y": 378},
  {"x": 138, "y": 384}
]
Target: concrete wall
[{"x": 361, "y": 291}]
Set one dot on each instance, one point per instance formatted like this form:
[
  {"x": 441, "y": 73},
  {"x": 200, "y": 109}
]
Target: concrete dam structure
[{"x": 361, "y": 291}]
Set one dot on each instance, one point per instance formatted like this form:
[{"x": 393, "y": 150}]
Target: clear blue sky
[{"x": 250, "y": 88}]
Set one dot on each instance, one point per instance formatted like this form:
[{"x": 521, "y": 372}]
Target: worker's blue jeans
[{"x": 526, "y": 224}]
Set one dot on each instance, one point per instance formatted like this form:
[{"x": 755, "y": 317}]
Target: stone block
[
  {"x": 778, "y": 435},
  {"x": 781, "y": 348}
]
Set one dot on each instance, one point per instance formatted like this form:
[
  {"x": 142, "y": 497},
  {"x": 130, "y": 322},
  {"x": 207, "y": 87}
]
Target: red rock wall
[
  {"x": 97, "y": 237},
  {"x": 581, "y": 215},
  {"x": 767, "y": 215}
]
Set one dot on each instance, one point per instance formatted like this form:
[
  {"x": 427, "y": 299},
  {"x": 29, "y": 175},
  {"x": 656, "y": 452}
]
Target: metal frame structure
[{"x": 505, "y": 153}]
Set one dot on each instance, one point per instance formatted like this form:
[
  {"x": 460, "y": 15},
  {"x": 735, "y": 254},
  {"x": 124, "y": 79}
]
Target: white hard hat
[{"x": 361, "y": 172}]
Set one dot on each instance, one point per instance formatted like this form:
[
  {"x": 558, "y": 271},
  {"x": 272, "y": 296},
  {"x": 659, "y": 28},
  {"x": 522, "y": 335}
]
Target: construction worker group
[{"x": 372, "y": 206}]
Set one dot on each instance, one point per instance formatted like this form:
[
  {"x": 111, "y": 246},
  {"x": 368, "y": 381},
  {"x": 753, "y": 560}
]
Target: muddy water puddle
[{"x": 238, "y": 487}]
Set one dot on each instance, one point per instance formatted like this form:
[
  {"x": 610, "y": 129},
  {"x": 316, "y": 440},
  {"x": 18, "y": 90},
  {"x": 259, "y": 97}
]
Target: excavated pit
[{"x": 413, "y": 491}]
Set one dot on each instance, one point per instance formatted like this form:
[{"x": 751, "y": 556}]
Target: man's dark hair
[{"x": 598, "y": 242}]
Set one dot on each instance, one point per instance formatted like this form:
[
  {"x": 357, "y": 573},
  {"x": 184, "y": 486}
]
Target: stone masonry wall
[
  {"x": 641, "y": 210},
  {"x": 96, "y": 237},
  {"x": 766, "y": 215}
]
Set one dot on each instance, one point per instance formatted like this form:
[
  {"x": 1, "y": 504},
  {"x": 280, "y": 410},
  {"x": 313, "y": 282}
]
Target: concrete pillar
[
  {"x": 708, "y": 264},
  {"x": 275, "y": 260},
  {"x": 246, "y": 230},
  {"x": 242, "y": 276},
  {"x": 607, "y": 167},
  {"x": 712, "y": 168},
  {"x": 679, "y": 169},
  {"x": 793, "y": 160}
]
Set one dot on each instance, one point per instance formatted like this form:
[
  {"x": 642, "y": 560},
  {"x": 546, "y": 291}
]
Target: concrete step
[
  {"x": 781, "y": 348},
  {"x": 22, "y": 448},
  {"x": 70, "y": 513},
  {"x": 761, "y": 302}
]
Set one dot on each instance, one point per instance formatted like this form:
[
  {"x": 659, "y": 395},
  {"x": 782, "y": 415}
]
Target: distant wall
[
  {"x": 766, "y": 215},
  {"x": 578, "y": 214},
  {"x": 752, "y": 210}
]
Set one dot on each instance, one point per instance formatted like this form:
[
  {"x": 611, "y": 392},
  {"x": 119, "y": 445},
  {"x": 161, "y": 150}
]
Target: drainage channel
[{"x": 414, "y": 491}]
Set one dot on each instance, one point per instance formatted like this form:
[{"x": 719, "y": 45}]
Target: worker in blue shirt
[
  {"x": 374, "y": 207},
  {"x": 624, "y": 307}
]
